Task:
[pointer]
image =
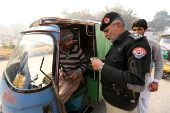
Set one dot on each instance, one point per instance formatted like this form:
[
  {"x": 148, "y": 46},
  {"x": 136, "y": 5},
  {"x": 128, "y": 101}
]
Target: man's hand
[
  {"x": 74, "y": 75},
  {"x": 153, "y": 86},
  {"x": 96, "y": 63},
  {"x": 63, "y": 75}
]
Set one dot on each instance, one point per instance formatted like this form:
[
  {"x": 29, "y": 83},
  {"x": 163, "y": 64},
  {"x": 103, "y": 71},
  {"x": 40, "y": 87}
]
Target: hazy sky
[{"x": 26, "y": 11}]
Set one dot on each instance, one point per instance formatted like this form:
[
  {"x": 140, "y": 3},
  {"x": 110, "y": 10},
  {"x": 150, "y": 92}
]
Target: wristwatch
[{"x": 100, "y": 68}]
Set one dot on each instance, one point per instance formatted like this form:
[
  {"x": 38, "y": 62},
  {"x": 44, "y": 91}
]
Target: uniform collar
[{"x": 121, "y": 37}]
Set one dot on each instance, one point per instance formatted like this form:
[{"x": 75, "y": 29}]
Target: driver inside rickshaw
[{"x": 72, "y": 66}]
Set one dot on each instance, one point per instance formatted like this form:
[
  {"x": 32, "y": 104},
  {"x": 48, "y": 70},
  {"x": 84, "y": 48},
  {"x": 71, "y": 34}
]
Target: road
[
  {"x": 3, "y": 64},
  {"x": 159, "y": 101}
]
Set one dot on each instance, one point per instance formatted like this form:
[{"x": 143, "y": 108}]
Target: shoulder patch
[
  {"x": 139, "y": 52},
  {"x": 136, "y": 36}
]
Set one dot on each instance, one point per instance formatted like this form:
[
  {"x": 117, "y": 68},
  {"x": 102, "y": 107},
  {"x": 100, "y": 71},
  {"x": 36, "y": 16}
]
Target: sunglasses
[{"x": 137, "y": 29}]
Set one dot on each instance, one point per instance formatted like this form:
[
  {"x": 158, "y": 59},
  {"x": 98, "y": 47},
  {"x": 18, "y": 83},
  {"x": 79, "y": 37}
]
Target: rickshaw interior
[{"x": 85, "y": 38}]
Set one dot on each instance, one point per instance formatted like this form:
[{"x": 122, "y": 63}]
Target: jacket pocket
[{"x": 117, "y": 58}]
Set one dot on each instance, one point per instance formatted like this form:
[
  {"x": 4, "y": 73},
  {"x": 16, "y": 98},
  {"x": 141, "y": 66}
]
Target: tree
[
  {"x": 18, "y": 28},
  {"x": 82, "y": 14},
  {"x": 160, "y": 22},
  {"x": 127, "y": 15}
]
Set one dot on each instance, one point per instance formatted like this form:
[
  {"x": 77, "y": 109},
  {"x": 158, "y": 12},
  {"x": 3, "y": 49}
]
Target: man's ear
[
  {"x": 145, "y": 30},
  {"x": 119, "y": 25}
]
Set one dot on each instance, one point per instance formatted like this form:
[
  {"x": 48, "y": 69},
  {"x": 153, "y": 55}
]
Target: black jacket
[{"x": 126, "y": 64}]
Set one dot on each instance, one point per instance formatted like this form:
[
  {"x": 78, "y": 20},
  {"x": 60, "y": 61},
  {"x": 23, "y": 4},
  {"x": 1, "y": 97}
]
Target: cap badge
[
  {"x": 139, "y": 52},
  {"x": 106, "y": 20}
]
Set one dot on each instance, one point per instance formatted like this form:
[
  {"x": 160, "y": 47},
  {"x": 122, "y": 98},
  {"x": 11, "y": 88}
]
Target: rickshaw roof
[
  {"x": 165, "y": 36},
  {"x": 55, "y": 20}
]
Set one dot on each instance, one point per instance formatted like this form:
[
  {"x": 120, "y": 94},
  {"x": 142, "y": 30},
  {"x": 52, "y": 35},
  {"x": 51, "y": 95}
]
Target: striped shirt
[{"x": 73, "y": 61}]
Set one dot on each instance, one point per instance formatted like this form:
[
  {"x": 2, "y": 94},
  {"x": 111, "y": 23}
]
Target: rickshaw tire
[
  {"x": 80, "y": 111},
  {"x": 164, "y": 77}
]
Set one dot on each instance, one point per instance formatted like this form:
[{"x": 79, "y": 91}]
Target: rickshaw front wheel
[{"x": 165, "y": 75}]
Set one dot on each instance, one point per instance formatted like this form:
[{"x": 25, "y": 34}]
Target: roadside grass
[{"x": 6, "y": 49}]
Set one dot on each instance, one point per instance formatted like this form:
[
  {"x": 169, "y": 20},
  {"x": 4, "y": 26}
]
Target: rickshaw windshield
[
  {"x": 23, "y": 68},
  {"x": 165, "y": 43}
]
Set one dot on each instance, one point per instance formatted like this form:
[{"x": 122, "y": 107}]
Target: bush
[{"x": 11, "y": 45}]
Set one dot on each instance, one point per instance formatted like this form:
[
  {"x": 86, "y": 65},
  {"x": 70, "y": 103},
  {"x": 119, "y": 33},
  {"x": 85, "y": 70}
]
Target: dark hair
[{"x": 140, "y": 23}]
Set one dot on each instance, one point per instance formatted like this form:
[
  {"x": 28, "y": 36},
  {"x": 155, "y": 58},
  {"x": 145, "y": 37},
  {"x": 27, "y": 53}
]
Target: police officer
[{"x": 125, "y": 66}]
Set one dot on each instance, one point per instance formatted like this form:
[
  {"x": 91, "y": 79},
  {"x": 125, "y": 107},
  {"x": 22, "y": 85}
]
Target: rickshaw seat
[
  {"x": 81, "y": 89},
  {"x": 79, "y": 99}
]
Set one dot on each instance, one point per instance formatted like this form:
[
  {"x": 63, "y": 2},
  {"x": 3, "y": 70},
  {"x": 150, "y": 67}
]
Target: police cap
[{"x": 108, "y": 19}]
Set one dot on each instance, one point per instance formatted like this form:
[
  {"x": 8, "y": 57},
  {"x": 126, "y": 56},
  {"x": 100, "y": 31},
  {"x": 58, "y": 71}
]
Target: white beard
[{"x": 112, "y": 40}]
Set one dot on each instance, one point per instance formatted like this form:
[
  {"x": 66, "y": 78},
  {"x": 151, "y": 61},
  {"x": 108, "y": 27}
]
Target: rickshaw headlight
[{"x": 167, "y": 63}]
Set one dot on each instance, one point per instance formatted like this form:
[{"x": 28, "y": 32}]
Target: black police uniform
[{"x": 124, "y": 68}]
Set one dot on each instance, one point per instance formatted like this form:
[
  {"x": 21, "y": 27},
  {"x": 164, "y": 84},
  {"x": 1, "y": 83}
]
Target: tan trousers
[
  {"x": 66, "y": 89},
  {"x": 112, "y": 109}
]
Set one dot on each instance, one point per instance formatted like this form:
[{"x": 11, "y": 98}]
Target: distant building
[
  {"x": 153, "y": 35},
  {"x": 6, "y": 33}
]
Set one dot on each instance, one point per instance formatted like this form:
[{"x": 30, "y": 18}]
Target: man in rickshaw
[{"x": 72, "y": 66}]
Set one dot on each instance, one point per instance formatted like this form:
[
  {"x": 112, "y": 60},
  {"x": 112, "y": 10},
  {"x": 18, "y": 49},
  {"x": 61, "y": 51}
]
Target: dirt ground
[{"x": 4, "y": 52}]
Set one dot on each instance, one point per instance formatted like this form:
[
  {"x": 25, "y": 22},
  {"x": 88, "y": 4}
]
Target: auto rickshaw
[
  {"x": 29, "y": 83},
  {"x": 165, "y": 45}
]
